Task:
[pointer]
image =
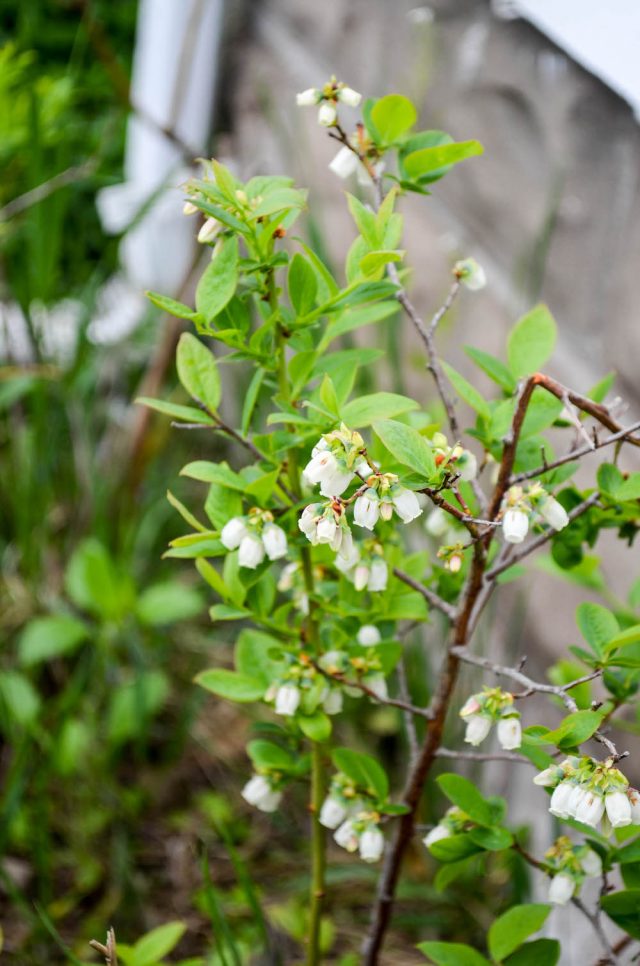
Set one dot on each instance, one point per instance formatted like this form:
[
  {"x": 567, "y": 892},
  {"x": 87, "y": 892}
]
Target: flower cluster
[
  {"x": 335, "y": 459},
  {"x": 327, "y": 98},
  {"x": 365, "y": 567},
  {"x": 481, "y": 710},
  {"x": 327, "y": 523},
  {"x": 382, "y": 497},
  {"x": 301, "y": 683},
  {"x": 518, "y": 507},
  {"x": 456, "y": 538},
  {"x": 569, "y": 865},
  {"x": 254, "y": 536},
  {"x": 360, "y": 156},
  {"x": 454, "y": 459},
  {"x": 263, "y": 792},
  {"x": 591, "y": 792},
  {"x": 360, "y": 668}
]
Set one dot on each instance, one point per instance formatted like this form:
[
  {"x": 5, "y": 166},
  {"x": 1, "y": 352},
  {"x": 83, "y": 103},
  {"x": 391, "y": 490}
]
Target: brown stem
[{"x": 575, "y": 454}]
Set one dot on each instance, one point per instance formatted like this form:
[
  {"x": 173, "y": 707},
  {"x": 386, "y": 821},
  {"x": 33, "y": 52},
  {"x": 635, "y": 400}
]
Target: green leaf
[
  {"x": 373, "y": 262},
  {"x": 168, "y": 602},
  {"x": 496, "y": 370},
  {"x": 466, "y": 796},
  {"x": 214, "y": 473},
  {"x": 279, "y": 200},
  {"x": 542, "y": 411},
  {"x": 630, "y": 489},
  {"x": 610, "y": 479},
  {"x": 47, "y": 637},
  {"x": 302, "y": 284},
  {"x": 198, "y": 371},
  {"x": 467, "y": 392},
  {"x": 328, "y": 396},
  {"x": 219, "y": 279},
  {"x": 624, "y": 908},
  {"x": 231, "y": 685},
  {"x": 407, "y": 445},
  {"x": 540, "y": 952},
  {"x": 575, "y": 729},
  {"x": 365, "y": 221},
  {"x": 531, "y": 341},
  {"x": 393, "y": 116},
  {"x": 492, "y": 839},
  {"x": 599, "y": 392},
  {"x": 158, "y": 943},
  {"x": 95, "y": 584},
  {"x": 19, "y": 696},
  {"x": 171, "y": 306},
  {"x": 133, "y": 704},
  {"x": 366, "y": 409},
  {"x": 266, "y": 754},
  {"x": 187, "y": 414},
  {"x": 253, "y": 655},
  {"x": 455, "y": 848},
  {"x": 316, "y": 726},
  {"x": 364, "y": 770},
  {"x": 631, "y": 635},
  {"x": 423, "y": 162},
  {"x": 597, "y": 625},
  {"x": 452, "y": 954},
  {"x": 515, "y": 925},
  {"x": 250, "y": 399}
]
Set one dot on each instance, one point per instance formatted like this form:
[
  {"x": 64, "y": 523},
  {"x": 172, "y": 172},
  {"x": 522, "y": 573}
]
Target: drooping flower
[
  {"x": 371, "y": 845},
  {"x": 510, "y": 732},
  {"x": 590, "y": 810},
  {"x": 368, "y": 635},
  {"x": 348, "y": 96},
  {"x": 346, "y": 836},
  {"x": 332, "y": 813},
  {"x": 309, "y": 97},
  {"x": 618, "y": 808},
  {"x": 327, "y": 114},
  {"x": 436, "y": 835},
  {"x": 366, "y": 510},
  {"x": 405, "y": 503},
  {"x": 275, "y": 541},
  {"x": 437, "y": 522},
  {"x": 378, "y": 575},
  {"x": 515, "y": 525},
  {"x": 591, "y": 863},
  {"x": 478, "y": 727},
  {"x": 377, "y": 684},
  {"x": 560, "y": 799},
  {"x": 251, "y": 552},
  {"x": 209, "y": 231},
  {"x": 561, "y": 888},
  {"x": 233, "y": 533},
  {"x": 471, "y": 274},
  {"x": 634, "y": 802},
  {"x": 332, "y": 475},
  {"x": 553, "y": 513},
  {"x": 345, "y": 163},
  {"x": 287, "y": 699},
  {"x": 260, "y": 793}
]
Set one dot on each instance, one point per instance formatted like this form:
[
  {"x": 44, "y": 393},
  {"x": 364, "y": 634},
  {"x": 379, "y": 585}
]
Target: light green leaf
[
  {"x": 47, "y": 637},
  {"x": 266, "y": 754},
  {"x": 494, "y": 368},
  {"x": 366, "y": 409},
  {"x": 373, "y": 262},
  {"x": 134, "y": 703},
  {"x": 466, "y": 796},
  {"x": 158, "y": 943},
  {"x": 198, "y": 371},
  {"x": 316, "y": 726},
  {"x": 467, "y": 392},
  {"x": 364, "y": 770},
  {"x": 597, "y": 625},
  {"x": 168, "y": 602},
  {"x": 302, "y": 284},
  {"x": 452, "y": 954},
  {"x": 20, "y": 697},
  {"x": 531, "y": 341},
  {"x": 213, "y": 473},
  {"x": 231, "y": 685},
  {"x": 574, "y": 729},
  {"x": 365, "y": 221},
  {"x": 512, "y": 928},
  {"x": 219, "y": 279},
  {"x": 187, "y": 414},
  {"x": 426, "y": 160},
  {"x": 393, "y": 116},
  {"x": 171, "y": 306},
  {"x": 253, "y": 655},
  {"x": 407, "y": 445}
]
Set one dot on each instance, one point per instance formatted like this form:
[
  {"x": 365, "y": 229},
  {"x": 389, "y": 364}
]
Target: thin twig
[
  {"x": 596, "y": 923},
  {"x": 392, "y": 702},
  {"x": 432, "y": 598},
  {"x": 109, "y": 950},
  {"x": 575, "y": 454},
  {"x": 409, "y": 722},
  {"x": 483, "y": 756},
  {"x": 32, "y": 197}
]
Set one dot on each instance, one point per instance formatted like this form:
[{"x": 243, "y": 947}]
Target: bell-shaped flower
[
  {"x": 345, "y": 163},
  {"x": 548, "y": 778},
  {"x": 590, "y": 810},
  {"x": 576, "y": 799},
  {"x": 561, "y": 888},
  {"x": 209, "y": 231},
  {"x": 478, "y": 727},
  {"x": 309, "y": 520},
  {"x": 436, "y": 835},
  {"x": 309, "y": 97},
  {"x": 274, "y": 540},
  {"x": 189, "y": 208},
  {"x": 467, "y": 465},
  {"x": 553, "y": 513},
  {"x": 259, "y": 793},
  {"x": 287, "y": 699},
  {"x": 405, "y": 503},
  {"x": 471, "y": 274},
  {"x": 324, "y": 468},
  {"x": 591, "y": 863},
  {"x": 515, "y": 525},
  {"x": 558, "y": 805},
  {"x": 349, "y": 97},
  {"x": 371, "y": 844},
  {"x": 437, "y": 522},
  {"x": 367, "y": 509},
  {"x": 332, "y": 813},
  {"x": 378, "y": 575},
  {"x": 251, "y": 552},
  {"x": 346, "y": 836},
  {"x": 327, "y": 114},
  {"x": 368, "y": 635},
  {"x": 233, "y": 533},
  {"x": 618, "y": 808},
  {"x": 634, "y": 801},
  {"x": 509, "y": 732}
]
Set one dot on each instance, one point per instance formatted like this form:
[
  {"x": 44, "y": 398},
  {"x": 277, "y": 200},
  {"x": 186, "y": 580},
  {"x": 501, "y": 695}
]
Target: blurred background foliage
[{"x": 119, "y": 779}]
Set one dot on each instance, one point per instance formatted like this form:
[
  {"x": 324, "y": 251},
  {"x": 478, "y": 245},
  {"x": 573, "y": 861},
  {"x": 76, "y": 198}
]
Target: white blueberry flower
[
  {"x": 561, "y": 889},
  {"x": 259, "y": 793},
  {"x": 327, "y": 530},
  {"x": 515, "y": 525},
  {"x": 332, "y": 701},
  {"x": 345, "y": 163},
  {"x": 309, "y": 520},
  {"x": 590, "y": 810},
  {"x": 233, "y": 533},
  {"x": 327, "y": 114},
  {"x": 591, "y": 863},
  {"x": 349, "y": 97},
  {"x": 634, "y": 801},
  {"x": 437, "y": 522},
  {"x": 361, "y": 576},
  {"x": 478, "y": 727},
  {"x": 251, "y": 552},
  {"x": 371, "y": 844},
  {"x": 405, "y": 503},
  {"x": 189, "y": 208},
  {"x": 346, "y": 547},
  {"x": 509, "y": 732},
  {"x": 287, "y": 699},
  {"x": 560, "y": 799},
  {"x": 467, "y": 465},
  {"x": 436, "y": 835},
  {"x": 618, "y": 808},
  {"x": 368, "y": 635},
  {"x": 275, "y": 541},
  {"x": 553, "y": 513},
  {"x": 324, "y": 468},
  {"x": 366, "y": 509},
  {"x": 576, "y": 799},
  {"x": 308, "y": 98},
  {"x": 362, "y": 468},
  {"x": 377, "y": 684},
  {"x": 471, "y": 274},
  {"x": 286, "y": 580},
  {"x": 209, "y": 230},
  {"x": 364, "y": 178},
  {"x": 454, "y": 563},
  {"x": 547, "y": 778},
  {"x": 346, "y": 836},
  {"x": 378, "y": 575},
  {"x": 332, "y": 813}
]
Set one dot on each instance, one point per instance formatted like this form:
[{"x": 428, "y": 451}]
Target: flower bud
[
  {"x": 233, "y": 532},
  {"x": 436, "y": 835},
  {"x": 471, "y": 274},
  {"x": 547, "y": 778},
  {"x": 371, "y": 844},
  {"x": 326, "y": 531},
  {"x": 437, "y": 522},
  {"x": 467, "y": 466},
  {"x": 275, "y": 541},
  {"x": 332, "y": 813},
  {"x": 368, "y": 635},
  {"x": 377, "y": 684},
  {"x": 361, "y": 576},
  {"x": 618, "y": 809},
  {"x": 209, "y": 230},
  {"x": 287, "y": 699},
  {"x": 259, "y": 793},
  {"x": 591, "y": 863},
  {"x": 189, "y": 208},
  {"x": 561, "y": 889},
  {"x": 515, "y": 525},
  {"x": 509, "y": 732},
  {"x": 349, "y": 97},
  {"x": 346, "y": 836},
  {"x": 251, "y": 553},
  {"x": 327, "y": 114},
  {"x": 308, "y": 98},
  {"x": 345, "y": 163},
  {"x": 553, "y": 513},
  {"x": 478, "y": 727}
]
